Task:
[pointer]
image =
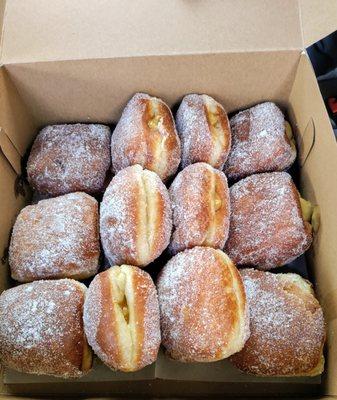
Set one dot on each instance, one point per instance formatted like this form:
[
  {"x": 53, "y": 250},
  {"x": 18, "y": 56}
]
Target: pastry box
[{"x": 79, "y": 61}]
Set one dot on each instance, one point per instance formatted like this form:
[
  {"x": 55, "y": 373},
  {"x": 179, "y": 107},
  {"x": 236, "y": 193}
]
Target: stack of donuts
[{"x": 214, "y": 295}]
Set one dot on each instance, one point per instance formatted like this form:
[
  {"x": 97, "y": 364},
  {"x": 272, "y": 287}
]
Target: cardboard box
[{"x": 66, "y": 61}]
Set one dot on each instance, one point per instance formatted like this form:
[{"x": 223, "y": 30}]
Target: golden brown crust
[
  {"x": 286, "y": 324},
  {"x": 204, "y": 130},
  {"x": 201, "y": 209},
  {"x": 42, "y": 328},
  {"x": 56, "y": 238},
  {"x": 204, "y": 314},
  {"x": 135, "y": 217},
  {"x": 267, "y": 228},
  {"x": 70, "y": 158},
  {"x": 121, "y": 318},
  {"x": 107, "y": 318},
  {"x": 147, "y": 320},
  {"x": 146, "y": 135}
]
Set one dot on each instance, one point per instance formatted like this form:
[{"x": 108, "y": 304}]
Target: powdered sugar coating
[
  {"x": 92, "y": 313},
  {"x": 41, "y": 330},
  {"x": 152, "y": 333},
  {"x": 266, "y": 228},
  {"x": 259, "y": 142},
  {"x": 100, "y": 320},
  {"x": 197, "y": 142},
  {"x": 69, "y": 158},
  {"x": 193, "y": 194},
  {"x": 147, "y": 317},
  {"x": 56, "y": 238},
  {"x": 125, "y": 230},
  {"x": 286, "y": 324},
  {"x": 133, "y": 142},
  {"x": 203, "y": 308}
]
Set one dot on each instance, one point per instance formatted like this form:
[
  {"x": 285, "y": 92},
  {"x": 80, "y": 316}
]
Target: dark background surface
[{"x": 323, "y": 56}]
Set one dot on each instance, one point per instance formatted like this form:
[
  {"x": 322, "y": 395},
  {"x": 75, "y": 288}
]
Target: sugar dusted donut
[
  {"x": 56, "y": 238},
  {"x": 203, "y": 308},
  {"x": 135, "y": 217},
  {"x": 259, "y": 142},
  {"x": 121, "y": 318},
  {"x": 146, "y": 135},
  {"x": 70, "y": 158},
  {"x": 41, "y": 329},
  {"x": 286, "y": 326},
  {"x": 200, "y": 202},
  {"x": 267, "y": 228},
  {"x": 204, "y": 130}
]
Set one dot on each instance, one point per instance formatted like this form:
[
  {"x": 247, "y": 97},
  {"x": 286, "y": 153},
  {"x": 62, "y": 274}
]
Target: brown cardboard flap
[
  {"x": 2, "y": 12},
  {"x": 306, "y": 142},
  {"x": 319, "y": 172},
  {"x": 102, "y": 87},
  {"x": 10, "y": 152},
  {"x": 15, "y": 117},
  {"x": 220, "y": 371},
  {"x": 37, "y": 30},
  {"x": 318, "y": 184},
  {"x": 318, "y": 19},
  {"x": 34, "y": 31},
  {"x": 330, "y": 381},
  {"x": 12, "y": 203}
]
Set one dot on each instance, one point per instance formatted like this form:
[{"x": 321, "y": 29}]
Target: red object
[{"x": 332, "y": 101}]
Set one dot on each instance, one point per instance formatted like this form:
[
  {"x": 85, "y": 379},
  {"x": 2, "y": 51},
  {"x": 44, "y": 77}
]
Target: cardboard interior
[
  {"x": 58, "y": 77},
  {"x": 109, "y": 29},
  {"x": 318, "y": 19}
]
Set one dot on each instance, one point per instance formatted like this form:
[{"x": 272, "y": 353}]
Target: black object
[{"x": 323, "y": 56}]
